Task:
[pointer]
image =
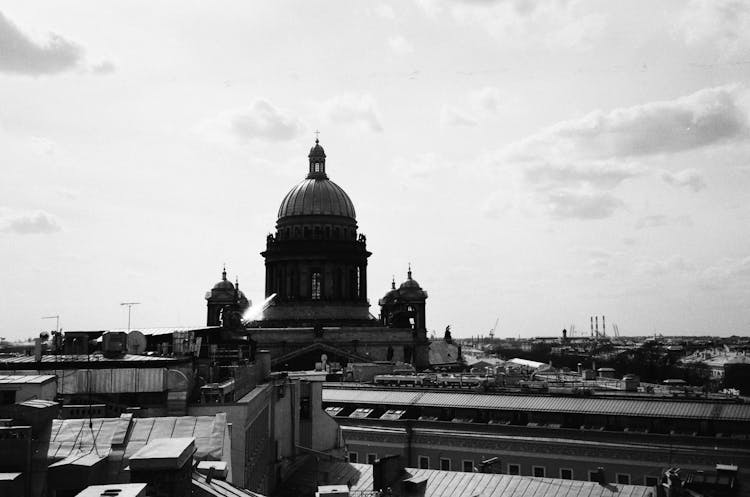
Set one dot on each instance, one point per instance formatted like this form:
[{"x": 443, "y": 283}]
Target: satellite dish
[{"x": 136, "y": 342}]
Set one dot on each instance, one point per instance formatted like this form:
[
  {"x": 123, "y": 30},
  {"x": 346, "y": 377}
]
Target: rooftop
[
  {"x": 115, "y": 490},
  {"x": 469, "y": 400},
  {"x": 462, "y": 484},
  {"x": 14, "y": 379},
  {"x": 73, "y": 436},
  {"x": 163, "y": 453},
  {"x": 219, "y": 488}
]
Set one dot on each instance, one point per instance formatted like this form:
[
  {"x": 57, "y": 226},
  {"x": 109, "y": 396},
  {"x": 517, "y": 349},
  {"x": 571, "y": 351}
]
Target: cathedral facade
[{"x": 316, "y": 277}]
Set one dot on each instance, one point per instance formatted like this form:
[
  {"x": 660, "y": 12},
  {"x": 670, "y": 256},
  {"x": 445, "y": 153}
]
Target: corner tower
[{"x": 316, "y": 262}]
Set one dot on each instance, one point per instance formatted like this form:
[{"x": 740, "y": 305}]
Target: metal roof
[
  {"x": 165, "y": 330},
  {"x": 94, "y": 358},
  {"x": 71, "y": 436},
  {"x": 463, "y": 484},
  {"x": 623, "y": 407},
  {"x": 220, "y": 488},
  {"x": 19, "y": 379}
]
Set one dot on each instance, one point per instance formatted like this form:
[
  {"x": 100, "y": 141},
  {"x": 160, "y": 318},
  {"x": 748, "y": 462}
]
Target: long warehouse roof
[{"x": 622, "y": 407}]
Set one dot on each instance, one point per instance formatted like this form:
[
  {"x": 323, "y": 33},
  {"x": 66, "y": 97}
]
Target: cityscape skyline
[{"x": 537, "y": 163}]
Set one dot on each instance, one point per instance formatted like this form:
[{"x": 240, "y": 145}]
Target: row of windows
[
  {"x": 467, "y": 465},
  {"x": 287, "y": 283},
  {"x": 317, "y": 233}
]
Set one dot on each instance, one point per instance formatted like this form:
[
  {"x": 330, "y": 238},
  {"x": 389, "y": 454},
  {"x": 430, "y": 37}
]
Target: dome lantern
[{"x": 317, "y": 158}]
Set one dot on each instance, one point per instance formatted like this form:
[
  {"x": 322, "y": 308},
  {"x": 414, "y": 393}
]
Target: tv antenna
[{"x": 130, "y": 306}]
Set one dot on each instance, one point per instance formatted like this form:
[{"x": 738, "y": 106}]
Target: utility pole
[
  {"x": 57, "y": 321},
  {"x": 130, "y": 306}
]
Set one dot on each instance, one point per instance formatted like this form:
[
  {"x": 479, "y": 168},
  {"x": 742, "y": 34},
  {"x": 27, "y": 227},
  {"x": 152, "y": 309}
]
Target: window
[
  {"x": 353, "y": 457},
  {"x": 316, "y": 286},
  {"x": 514, "y": 469},
  {"x": 424, "y": 462},
  {"x": 359, "y": 282},
  {"x": 566, "y": 474},
  {"x": 538, "y": 471},
  {"x": 593, "y": 475},
  {"x": 468, "y": 466},
  {"x": 371, "y": 458},
  {"x": 445, "y": 464},
  {"x": 623, "y": 478},
  {"x": 304, "y": 408},
  {"x": 317, "y": 167},
  {"x": 651, "y": 481}
]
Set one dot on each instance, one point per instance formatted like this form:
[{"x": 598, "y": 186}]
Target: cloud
[
  {"x": 723, "y": 23},
  {"x": 704, "y": 118},
  {"x": 420, "y": 167},
  {"x": 673, "y": 265},
  {"x": 103, "y": 67},
  {"x": 552, "y": 24},
  {"x": 353, "y": 109},
  {"x": 564, "y": 204},
  {"x": 488, "y": 99},
  {"x": 19, "y": 54},
  {"x": 689, "y": 178},
  {"x": 578, "y": 190},
  {"x": 400, "y": 45},
  {"x": 726, "y": 274},
  {"x": 33, "y": 223},
  {"x": 382, "y": 10},
  {"x": 495, "y": 205},
  {"x": 660, "y": 220},
  {"x": 261, "y": 120},
  {"x": 598, "y": 174},
  {"x": 450, "y": 116}
]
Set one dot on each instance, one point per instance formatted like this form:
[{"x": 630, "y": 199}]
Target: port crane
[{"x": 492, "y": 331}]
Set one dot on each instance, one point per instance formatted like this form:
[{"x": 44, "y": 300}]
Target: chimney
[
  {"x": 213, "y": 470},
  {"x": 592, "y": 325},
  {"x": 37, "y": 349},
  {"x": 596, "y": 321},
  {"x": 166, "y": 465},
  {"x": 580, "y": 368},
  {"x": 386, "y": 471},
  {"x": 604, "y": 327},
  {"x": 263, "y": 361},
  {"x": 673, "y": 485},
  {"x": 600, "y": 476}
]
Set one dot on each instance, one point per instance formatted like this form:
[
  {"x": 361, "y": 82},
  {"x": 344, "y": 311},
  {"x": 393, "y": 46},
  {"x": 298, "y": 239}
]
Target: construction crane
[{"x": 492, "y": 331}]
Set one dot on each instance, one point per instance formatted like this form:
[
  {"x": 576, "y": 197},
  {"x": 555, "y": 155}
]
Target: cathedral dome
[
  {"x": 224, "y": 283},
  {"x": 410, "y": 289},
  {"x": 315, "y": 196}
]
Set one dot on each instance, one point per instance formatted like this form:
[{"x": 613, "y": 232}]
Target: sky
[{"x": 537, "y": 163}]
